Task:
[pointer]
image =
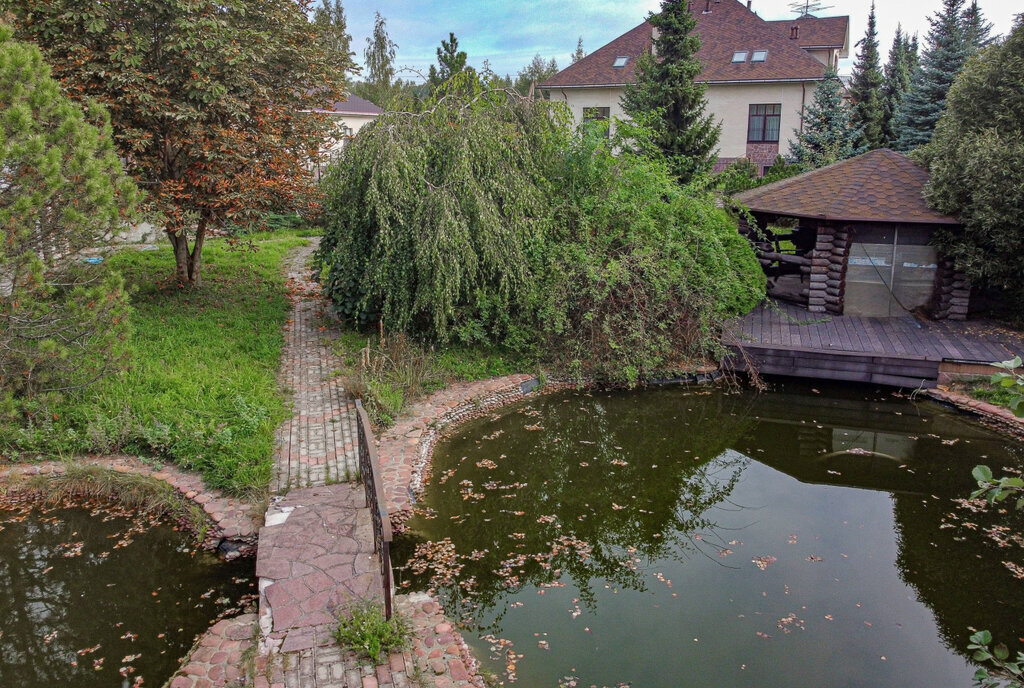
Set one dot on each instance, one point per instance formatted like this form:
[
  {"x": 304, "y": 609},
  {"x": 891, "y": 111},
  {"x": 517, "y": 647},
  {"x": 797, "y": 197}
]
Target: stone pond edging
[
  {"x": 405, "y": 450},
  {"x": 233, "y": 522},
  {"x": 998, "y": 417}
]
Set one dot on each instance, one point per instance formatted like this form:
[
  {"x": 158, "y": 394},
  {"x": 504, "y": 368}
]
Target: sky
[{"x": 509, "y": 34}]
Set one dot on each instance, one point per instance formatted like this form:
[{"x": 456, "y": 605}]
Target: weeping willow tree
[
  {"x": 487, "y": 219},
  {"x": 434, "y": 220}
]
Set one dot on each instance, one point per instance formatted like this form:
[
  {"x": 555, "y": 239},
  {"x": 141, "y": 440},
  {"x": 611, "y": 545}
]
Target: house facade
[{"x": 760, "y": 74}]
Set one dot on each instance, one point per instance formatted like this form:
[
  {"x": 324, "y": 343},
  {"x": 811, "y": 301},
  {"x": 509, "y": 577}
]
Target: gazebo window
[{"x": 763, "y": 124}]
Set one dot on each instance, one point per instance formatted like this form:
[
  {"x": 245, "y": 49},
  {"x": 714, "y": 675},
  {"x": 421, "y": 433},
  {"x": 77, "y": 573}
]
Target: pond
[
  {"x": 688, "y": 536},
  {"x": 97, "y": 597}
]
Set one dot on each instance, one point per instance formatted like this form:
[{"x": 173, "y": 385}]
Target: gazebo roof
[{"x": 878, "y": 186}]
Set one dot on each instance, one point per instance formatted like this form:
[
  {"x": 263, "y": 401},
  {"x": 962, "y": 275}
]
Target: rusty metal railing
[{"x": 370, "y": 472}]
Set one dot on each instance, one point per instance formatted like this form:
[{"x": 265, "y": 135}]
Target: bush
[
  {"x": 63, "y": 314},
  {"x": 488, "y": 221}
]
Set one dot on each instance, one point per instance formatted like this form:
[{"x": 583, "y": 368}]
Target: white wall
[
  {"x": 730, "y": 103},
  {"x": 355, "y": 122}
]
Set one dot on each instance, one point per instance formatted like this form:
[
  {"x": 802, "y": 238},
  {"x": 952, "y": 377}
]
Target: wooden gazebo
[{"x": 855, "y": 238}]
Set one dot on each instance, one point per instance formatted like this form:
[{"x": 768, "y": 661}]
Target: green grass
[
  {"x": 200, "y": 389},
  {"x": 401, "y": 371},
  {"x": 993, "y": 394}
]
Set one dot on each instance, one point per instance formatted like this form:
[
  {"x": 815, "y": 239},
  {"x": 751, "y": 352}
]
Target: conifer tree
[
  {"x": 450, "y": 61},
  {"x": 579, "y": 53},
  {"x": 897, "y": 82},
  {"x": 977, "y": 30},
  {"x": 868, "y": 113},
  {"x": 539, "y": 70},
  {"x": 684, "y": 132},
  {"x": 943, "y": 58},
  {"x": 826, "y": 135}
]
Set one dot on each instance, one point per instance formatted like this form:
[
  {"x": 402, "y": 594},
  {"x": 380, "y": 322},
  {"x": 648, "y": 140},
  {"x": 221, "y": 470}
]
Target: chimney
[
  {"x": 749, "y": 3},
  {"x": 794, "y": 32}
]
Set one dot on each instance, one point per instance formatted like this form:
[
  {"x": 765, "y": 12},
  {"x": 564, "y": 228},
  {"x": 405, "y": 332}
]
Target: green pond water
[
  {"x": 807, "y": 536},
  {"x": 97, "y": 598}
]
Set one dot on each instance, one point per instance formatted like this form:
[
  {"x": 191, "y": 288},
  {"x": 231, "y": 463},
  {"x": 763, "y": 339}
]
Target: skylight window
[
  {"x": 739, "y": 56},
  {"x": 759, "y": 56},
  {"x": 620, "y": 61}
]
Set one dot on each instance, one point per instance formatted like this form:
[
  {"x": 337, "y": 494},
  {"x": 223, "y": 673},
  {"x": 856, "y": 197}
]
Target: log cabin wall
[
  {"x": 952, "y": 292},
  {"x": 828, "y": 269}
]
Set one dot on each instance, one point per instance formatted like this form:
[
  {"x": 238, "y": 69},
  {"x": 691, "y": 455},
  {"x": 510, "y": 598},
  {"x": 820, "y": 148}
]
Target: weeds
[
  {"x": 368, "y": 633},
  {"x": 391, "y": 373}
]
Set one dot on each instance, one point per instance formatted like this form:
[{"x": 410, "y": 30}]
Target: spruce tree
[
  {"x": 868, "y": 113},
  {"x": 826, "y": 135},
  {"x": 686, "y": 134},
  {"x": 897, "y": 82},
  {"x": 977, "y": 30},
  {"x": 943, "y": 58}
]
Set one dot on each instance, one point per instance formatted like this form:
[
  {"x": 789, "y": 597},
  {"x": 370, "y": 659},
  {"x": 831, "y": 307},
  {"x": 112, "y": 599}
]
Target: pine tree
[
  {"x": 977, "y": 30},
  {"x": 868, "y": 113},
  {"x": 63, "y": 322},
  {"x": 450, "y": 61},
  {"x": 897, "y": 82},
  {"x": 537, "y": 71},
  {"x": 826, "y": 135},
  {"x": 685, "y": 132},
  {"x": 943, "y": 58},
  {"x": 579, "y": 54}
]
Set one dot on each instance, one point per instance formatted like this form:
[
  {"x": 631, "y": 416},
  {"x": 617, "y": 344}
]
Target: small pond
[
  {"x": 811, "y": 535},
  {"x": 96, "y": 597}
]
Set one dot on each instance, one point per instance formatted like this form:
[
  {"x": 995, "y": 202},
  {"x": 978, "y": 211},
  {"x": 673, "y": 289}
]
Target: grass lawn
[{"x": 201, "y": 388}]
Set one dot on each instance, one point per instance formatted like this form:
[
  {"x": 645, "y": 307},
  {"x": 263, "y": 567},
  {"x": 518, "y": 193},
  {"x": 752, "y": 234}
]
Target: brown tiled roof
[
  {"x": 727, "y": 28},
  {"x": 817, "y": 32},
  {"x": 353, "y": 105},
  {"x": 879, "y": 186}
]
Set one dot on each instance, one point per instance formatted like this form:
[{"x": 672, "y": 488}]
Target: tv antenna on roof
[{"x": 807, "y": 8}]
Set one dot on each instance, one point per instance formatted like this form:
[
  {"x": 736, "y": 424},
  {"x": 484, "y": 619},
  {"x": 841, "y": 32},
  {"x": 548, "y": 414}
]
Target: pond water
[
  {"x": 690, "y": 537},
  {"x": 99, "y": 598}
]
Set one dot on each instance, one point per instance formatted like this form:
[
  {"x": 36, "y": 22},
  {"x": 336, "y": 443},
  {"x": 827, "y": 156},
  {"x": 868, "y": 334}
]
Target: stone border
[
  {"x": 234, "y": 530},
  {"x": 997, "y": 417},
  {"x": 405, "y": 450}
]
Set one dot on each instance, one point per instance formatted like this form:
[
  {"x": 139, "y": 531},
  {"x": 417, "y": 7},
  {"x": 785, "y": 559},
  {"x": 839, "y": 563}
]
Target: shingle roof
[
  {"x": 727, "y": 28},
  {"x": 879, "y": 186},
  {"x": 817, "y": 32},
  {"x": 354, "y": 105}
]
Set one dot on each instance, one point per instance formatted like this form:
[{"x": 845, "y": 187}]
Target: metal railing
[{"x": 368, "y": 469}]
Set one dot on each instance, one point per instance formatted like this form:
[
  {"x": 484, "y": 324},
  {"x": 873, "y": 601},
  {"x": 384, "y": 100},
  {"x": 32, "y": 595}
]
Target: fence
[{"x": 368, "y": 469}]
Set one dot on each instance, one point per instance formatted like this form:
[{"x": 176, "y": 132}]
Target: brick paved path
[{"x": 318, "y": 443}]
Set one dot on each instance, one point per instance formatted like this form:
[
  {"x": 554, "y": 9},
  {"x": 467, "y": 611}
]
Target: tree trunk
[{"x": 189, "y": 263}]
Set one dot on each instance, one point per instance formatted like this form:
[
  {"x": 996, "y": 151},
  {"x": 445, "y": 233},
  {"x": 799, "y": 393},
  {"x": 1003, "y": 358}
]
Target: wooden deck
[{"x": 783, "y": 339}]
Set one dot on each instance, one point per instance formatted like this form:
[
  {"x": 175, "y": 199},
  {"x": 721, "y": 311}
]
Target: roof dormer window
[
  {"x": 620, "y": 61},
  {"x": 759, "y": 56},
  {"x": 739, "y": 56}
]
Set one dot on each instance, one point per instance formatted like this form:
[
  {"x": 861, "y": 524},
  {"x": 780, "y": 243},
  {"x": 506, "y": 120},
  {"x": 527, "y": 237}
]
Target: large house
[{"x": 760, "y": 74}]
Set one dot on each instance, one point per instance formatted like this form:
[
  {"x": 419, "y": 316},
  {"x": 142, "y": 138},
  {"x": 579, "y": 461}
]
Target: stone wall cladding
[
  {"x": 762, "y": 154},
  {"x": 231, "y": 519},
  {"x": 406, "y": 449}
]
